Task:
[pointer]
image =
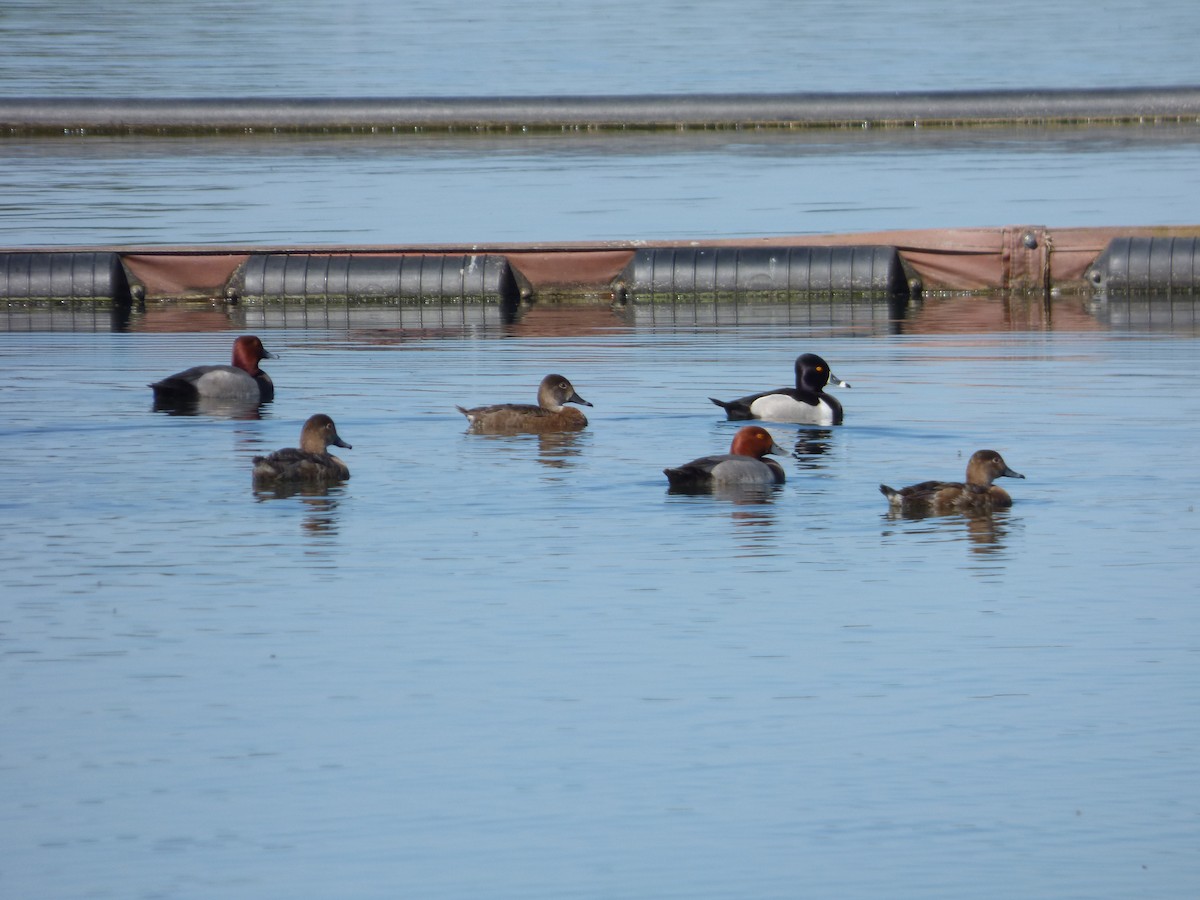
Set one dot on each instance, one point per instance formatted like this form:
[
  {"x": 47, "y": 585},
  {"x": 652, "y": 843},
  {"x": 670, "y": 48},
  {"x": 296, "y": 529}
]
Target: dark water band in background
[{"x": 115, "y": 115}]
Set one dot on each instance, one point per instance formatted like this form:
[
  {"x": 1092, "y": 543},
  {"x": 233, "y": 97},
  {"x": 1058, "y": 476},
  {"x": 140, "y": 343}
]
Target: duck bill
[
  {"x": 338, "y": 442},
  {"x": 575, "y": 398},
  {"x": 837, "y": 382},
  {"x": 1009, "y": 473}
]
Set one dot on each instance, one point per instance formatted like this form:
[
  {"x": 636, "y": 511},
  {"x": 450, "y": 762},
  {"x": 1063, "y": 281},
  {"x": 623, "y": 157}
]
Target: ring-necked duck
[
  {"x": 243, "y": 380},
  {"x": 549, "y": 415},
  {"x": 978, "y": 494},
  {"x": 806, "y": 403},
  {"x": 744, "y": 464},
  {"x": 312, "y": 463}
]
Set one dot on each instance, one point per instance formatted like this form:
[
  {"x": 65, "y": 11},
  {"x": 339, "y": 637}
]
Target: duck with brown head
[
  {"x": 744, "y": 465},
  {"x": 241, "y": 381},
  {"x": 977, "y": 494},
  {"x": 551, "y": 414},
  {"x": 310, "y": 463}
]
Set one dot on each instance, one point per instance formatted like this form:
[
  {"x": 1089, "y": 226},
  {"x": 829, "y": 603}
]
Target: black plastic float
[
  {"x": 418, "y": 278},
  {"x": 1148, "y": 264},
  {"x": 64, "y": 275},
  {"x": 645, "y": 275},
  {"x": 858, "y": 271}
]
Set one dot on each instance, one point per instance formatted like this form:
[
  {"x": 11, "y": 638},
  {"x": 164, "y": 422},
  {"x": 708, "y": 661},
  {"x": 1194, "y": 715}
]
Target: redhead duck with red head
[
  {"x": 242, "y": 381},
  {"x": 745, "y": 465}
]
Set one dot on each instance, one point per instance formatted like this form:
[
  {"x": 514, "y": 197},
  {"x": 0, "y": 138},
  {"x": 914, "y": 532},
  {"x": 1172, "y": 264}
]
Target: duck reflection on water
[
  {"x": 812, "y": 444},
  {"x": 319, "y": 504},
  {"x": 985, "y": 533},
  {"x": 217, "y": 407},
  {"x": 560, "y": 449},
  {"x": 555, "y": 449},
  {"x": 304, "y": 490},
  {"x": 320, "y": 514}
]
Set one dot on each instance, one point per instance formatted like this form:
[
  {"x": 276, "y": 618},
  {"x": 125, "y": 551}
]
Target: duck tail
[
  {"x": 263, "y": 470},
  {"x": 734, "y": 412},
  {"x": 683, "y": 478},
  {"x": 174, "y": 389},
  {"x": 894, "y": 496}
]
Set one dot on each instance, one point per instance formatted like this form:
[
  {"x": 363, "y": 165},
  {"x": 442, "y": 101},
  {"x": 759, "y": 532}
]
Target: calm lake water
[
  {"x": 516, "y": 667},
  {"x": 469, "y": 47},
  {"x": 389, "y": 190},
  {"x": 519, "y": 667},
  {"x": 397, "y": 189}
]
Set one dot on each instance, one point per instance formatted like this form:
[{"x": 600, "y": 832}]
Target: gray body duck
[
  {"x": 744, "y": 465},
  {"x": 241, "y": 381}
]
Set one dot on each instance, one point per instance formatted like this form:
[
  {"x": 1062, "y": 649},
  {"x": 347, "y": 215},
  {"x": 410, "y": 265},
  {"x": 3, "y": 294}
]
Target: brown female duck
[
  {"x": 549, "y": 415},
  {"x": 977, "y": 494},
  {"x": 311, "y": 463}
]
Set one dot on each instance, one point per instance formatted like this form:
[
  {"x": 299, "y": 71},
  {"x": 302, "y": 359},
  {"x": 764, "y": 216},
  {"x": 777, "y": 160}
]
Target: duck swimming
[
  {"x": 243, "y": 380},
  {"x": 549, "y": 415},
  {"x": 312, "y": 463},
  {"x": 743, "y": 465},
  {"x": 805, "y": 404},
  {"x": 978, "y": 494}
]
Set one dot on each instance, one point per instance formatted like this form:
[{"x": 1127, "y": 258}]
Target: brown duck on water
[
  {"x": 977, "y": 494},
  {"x": 549, "y": 415},
  {"x": 311, "y": 463}
]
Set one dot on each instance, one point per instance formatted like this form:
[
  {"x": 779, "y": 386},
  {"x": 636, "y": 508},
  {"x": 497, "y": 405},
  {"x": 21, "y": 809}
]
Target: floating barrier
[
  {"x": 424, "y": 278},
  {"x": 66, "y": 116},
  {"x": 1029, "y": 260},
  {"x": 666, "y": 273},
  {"x": 63, "y": 275},
  {"x": 1148, "y": 264}
]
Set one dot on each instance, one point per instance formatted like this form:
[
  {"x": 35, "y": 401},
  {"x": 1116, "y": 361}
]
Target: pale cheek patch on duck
[{"x": 782, "y": 408}]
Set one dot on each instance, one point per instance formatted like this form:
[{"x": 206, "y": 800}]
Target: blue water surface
[
  {"x": 409, "y": 189},
  {"x": 519, "y": 667},
  {"x": 394, "y": 190},
  {"x": 534, "y": 47}
]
